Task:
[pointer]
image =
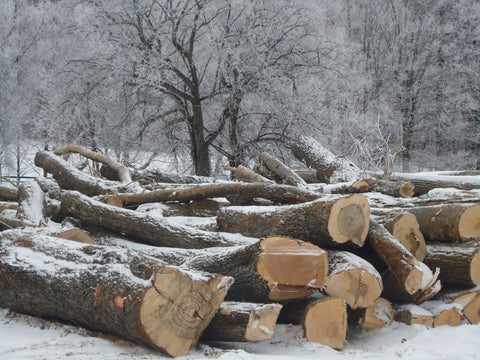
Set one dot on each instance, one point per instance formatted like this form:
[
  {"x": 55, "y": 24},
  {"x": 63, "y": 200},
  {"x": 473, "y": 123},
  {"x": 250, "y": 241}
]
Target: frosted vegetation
[{"x": 216, "y": 82}]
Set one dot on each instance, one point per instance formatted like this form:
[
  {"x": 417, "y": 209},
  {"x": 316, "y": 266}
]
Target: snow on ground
[{"x": 25, "y": 337}]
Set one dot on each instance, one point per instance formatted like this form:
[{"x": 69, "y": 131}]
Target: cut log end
[
  {"x": 286, "y": 261},
  {"x": 406, "y": 229},
  {"x": 326, "y": 322},
  {"x": 414, "y": 281},
  {"x": 349, "y": 220},
  {"x": 451, "y": 317},
  {"x": 475, "y": 268},
  {"x": 406, "y": 189},
  {"x": 377, "y": 316},
  {"x": 262, "y": 323},
  {"x": 469, "y": 224},
  {"x": 190, "y": 304},
  {"x": 77, "y": 235}
]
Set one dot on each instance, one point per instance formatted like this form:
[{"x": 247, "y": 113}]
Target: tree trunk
[
  {"x": 469, "y": 303},
  {"x": 32, "y": 203},
  {"x": 411, "y": 314},
  {"x": 325, "y": 222},
  {"x": 324, "y": 319},
  {"x": 459, "y": 263},
  {"x": 352, "y": 279},
  {"x": 287, "y": 175},
  {"x": 449, "y": 223},
  {"x": 195, "y": 208},
  {"x": 271, "y": 269},
  {"x": 8, "y": 193},
  {"x": 391, "y": 188},
  {"x": 239, "y": 322},
  {"x": 308, "y": 176},
  {"x": 109, "y": 290},
  {"x": 244, "y": 174},
  {"x": 377, "y": 316},
  {"x": 329, "y": 168}
]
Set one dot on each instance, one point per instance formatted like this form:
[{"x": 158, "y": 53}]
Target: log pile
[{"x": 142, "y": 266}]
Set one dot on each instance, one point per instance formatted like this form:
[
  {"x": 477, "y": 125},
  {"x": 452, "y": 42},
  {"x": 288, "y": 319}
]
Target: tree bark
[
  {"x": 287, "y": 175},
  {"x": 449, "y": 223},
  {"x": 325, "y": 222},
  {"x": 413, "y": 314},
  {"x": 32, "y": 203},
  {"x": 240, "y": 322},
  {"x": 459, "y": 263},
  {"x": 352, "y": 279},
  {"x": 377, "y": 316},
  {"x": 469, "y": 303},
  {"x": 324, "y": 319},
  {"x": 244, "y": 174},
  {"x": 329, "y": 168},
  {"x": 108, "y": 289},
  {"x": 392, "y": 188},
  {"x": 8, "y": 193},
  {"x": 444, "y": 314}
]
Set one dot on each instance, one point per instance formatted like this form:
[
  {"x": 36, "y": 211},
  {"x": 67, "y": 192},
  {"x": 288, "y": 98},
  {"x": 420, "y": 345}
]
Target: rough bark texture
[
  {"x": 423, "y": 186},
  {"x": 391, "y": 188},
  {"x": 329, "y": 168},
  {"x": 108, "y": 289},
  {"x": 413, "y": 314},
  {"x": 32, "y": 203},
  {"x": 122, "y": 171},
  {"x": 8, "y": 193},
  {"x": 307, "y": 175},
  {"x": 449, "y": 223},
  {"x": 329, "y": 222},
  {"x": 377, "y": 316},
  {"x": 197, "y": 208},
  {"x": 239, "y": 322},
  {"x": 287, "y": 175},
  {"x": 324, "y": 319},
  {"x": 145, "y": 228},
  {"x": 459, "y": 263},
  {"x": 352, "y": 279}
]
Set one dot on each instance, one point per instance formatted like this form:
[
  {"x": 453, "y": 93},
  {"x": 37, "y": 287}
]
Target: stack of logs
[{"x": 164, "y": 260}]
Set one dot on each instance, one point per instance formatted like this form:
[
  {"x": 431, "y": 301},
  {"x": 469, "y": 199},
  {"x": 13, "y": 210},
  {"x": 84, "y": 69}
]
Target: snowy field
[{"x": 25, "y": 337}]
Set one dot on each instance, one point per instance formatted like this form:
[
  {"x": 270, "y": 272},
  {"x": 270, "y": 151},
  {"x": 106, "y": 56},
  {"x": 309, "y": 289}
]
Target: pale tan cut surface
[
  {"x": 287, "y": 261},
  {"x": 76, "y": 235},
  {"x": 286, "y": 292},
  {"x": 177, "y": 309},
  {"x": 469, "y": 224},
  {"x": 425, "y": 320},
  {"x": 379, "y": 315},
  {"x": 326, "y": 322},
  {"x": 407, "y": 230},
  {"x": 451, "y": 317},
  {"x": 262, "y": 323},
  {"x": 413, "y": 283},
  {"x": 356, "y": 286},
  {"x": 406, "y": 189},
  {"x": 115, "y": 201},
  {"x": 349, "y": 220},
  {"x": 475, "y": 268},
  {"x": 472, "y": 310}
]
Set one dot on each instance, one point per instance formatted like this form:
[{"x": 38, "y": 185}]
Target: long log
[
  {"x": 352, "y": 279},
  {"x": 32, "y": 203},
  {"x": 195, "y": 208},
  {"x": 240, "y": 322},
  {"x": 7, "y": 223},
  {"x": 287, "y": 175},
  {"x": 444, "y": 314},
  {"x": 326, "y": 222},
  {"x": 8, "y": 193},
  {"x": 449, "y": 223},
  {"x": 425, "y": 184},
  {"x": 392, "y": 188},
  {"x": 142, "y": 227},
  {"x": 324, "y": 319},
  {"x": 246, "y": 175},
  {"x": 377, "y": 316},
  {"x": 108, "y": 289},
  {"x": 329, "y": 168},
  {"x": 469, "y": 304},
  {"x": 459, "y": 263},
  {"x": 122, "y": 171},
  {"x": 271, "y": 269}
]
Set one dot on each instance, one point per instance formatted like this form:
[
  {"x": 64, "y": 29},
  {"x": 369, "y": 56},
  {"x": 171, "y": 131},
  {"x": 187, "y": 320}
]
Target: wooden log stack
[{"x": 318, "y": 260}]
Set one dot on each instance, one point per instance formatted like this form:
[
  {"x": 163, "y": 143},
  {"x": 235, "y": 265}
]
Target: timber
[
  {"x": 8, "y": 193},
  {"x": 281, "y": 171},
  {"x": 109, "y": 290},
  {"x": 469, "y": 303},
  {"x": 444, "y": 314},
  {"x": 329, "y": 168},
  {"x": 246, "y": 175},
  {"x": 377, "y": 316},
  {"x": 392, "y": 188},
  {"x": 449, "y": 223},
  {"x": 411, "y": 314},
  {"x": 424, "y": 185},
  {"x": 32, "y": 203},
  {"x": 352, "y": 279},
  {"x": 459, "y": 263},
  {"x": 325, "y": 222},
  {"x": 243, "y": 322},
  {"x": 323, "y": 318}
]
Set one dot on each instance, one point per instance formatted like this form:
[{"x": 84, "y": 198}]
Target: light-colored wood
[
  {"x": 471, "y": 311},
  {"x": 451, "y": 317},
  {"x": 352, "y": 279},
  {"x": 278, "y": 292},
  {"x": 245, "y": 174},
  {"x": 379, "y": 315},
  {"x": 413, "y": 314},
  {"x": 283, "y": 172},
  {"x": 114, "y": 201},
  {"x": 76, "y": 235}
]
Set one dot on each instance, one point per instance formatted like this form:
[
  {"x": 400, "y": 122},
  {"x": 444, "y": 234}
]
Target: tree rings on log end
[
  {"x": 475, "y": 268},
  {"x": 451, "y": 317},
  {"x": 469, "y": 224},
  {"x": 326, "y": 322},
  {"x": 413, "y": 283},
  {"x": 379, "y": 315},
  {"x": 407, "y": 230},
  {"x": 290, "y": 262},
  {"x": 262, "y": 323},
  {"x": 177, "y": 309},
  {"x": 349, "y": 220},
  {"x": 472, "y": 310}
]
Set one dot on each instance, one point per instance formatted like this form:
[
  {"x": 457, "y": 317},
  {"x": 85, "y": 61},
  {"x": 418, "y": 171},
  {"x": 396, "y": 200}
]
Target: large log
[
  {"x": 377, "y": 316},
  {"x": 424, "y": 184},
  {"x": 449, "y": 223},
  {"x": 142, "y": 227},
  {"x": 8, "y": 193},
  {"x": 122, "y": 171},
  {"x": 108, "y": 289},
  {"x": 239, "y": 322},
  {"x": 326, "y": 222},
  {"x": 444, "y": 314},
  {"x": 324, "y": 319},
  {"x": 469, "y": 303},
  {"x": 32, "y": 203},
  {"x": 459, "y": 263},
  {"x": 287, "y": 175},
  {"x": 392, "y": 188},
  {"x": 329, "y": 168},
  {"x": 411, "y": 314},
  {"x": 271, "y": 269},
  {"x": 352, "y": 279}
]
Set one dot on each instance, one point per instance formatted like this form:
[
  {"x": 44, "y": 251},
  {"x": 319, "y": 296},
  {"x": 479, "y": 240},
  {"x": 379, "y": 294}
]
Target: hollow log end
[
  {"x": 326, "y": 322},
  {"x": 262, "y": 323},
  {"x": 178, "y": 308},
  {"x": 292, "y": 263},
  {"x": 407, "y": 230},
  {"x": 349, "y": 220},
  {"x": 469, "y": 224}
]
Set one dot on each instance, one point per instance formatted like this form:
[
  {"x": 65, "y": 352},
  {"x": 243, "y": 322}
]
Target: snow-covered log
[
  {"x": 281, "y": 171},
  {"x": 32, "y": 203},
  {"x": 8, "y": 193},
  {"x": 329, "y": 168},
  {"x": 244, "y": 174},
  {"x": 108, "y": 289},
  {"x": 425, "y": 183},
  {"x": 401, "y": 189},
  {"x": 329, "y": 221}
]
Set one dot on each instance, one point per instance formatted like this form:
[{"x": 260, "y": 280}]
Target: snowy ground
[{"x": 24, "y": 337}]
